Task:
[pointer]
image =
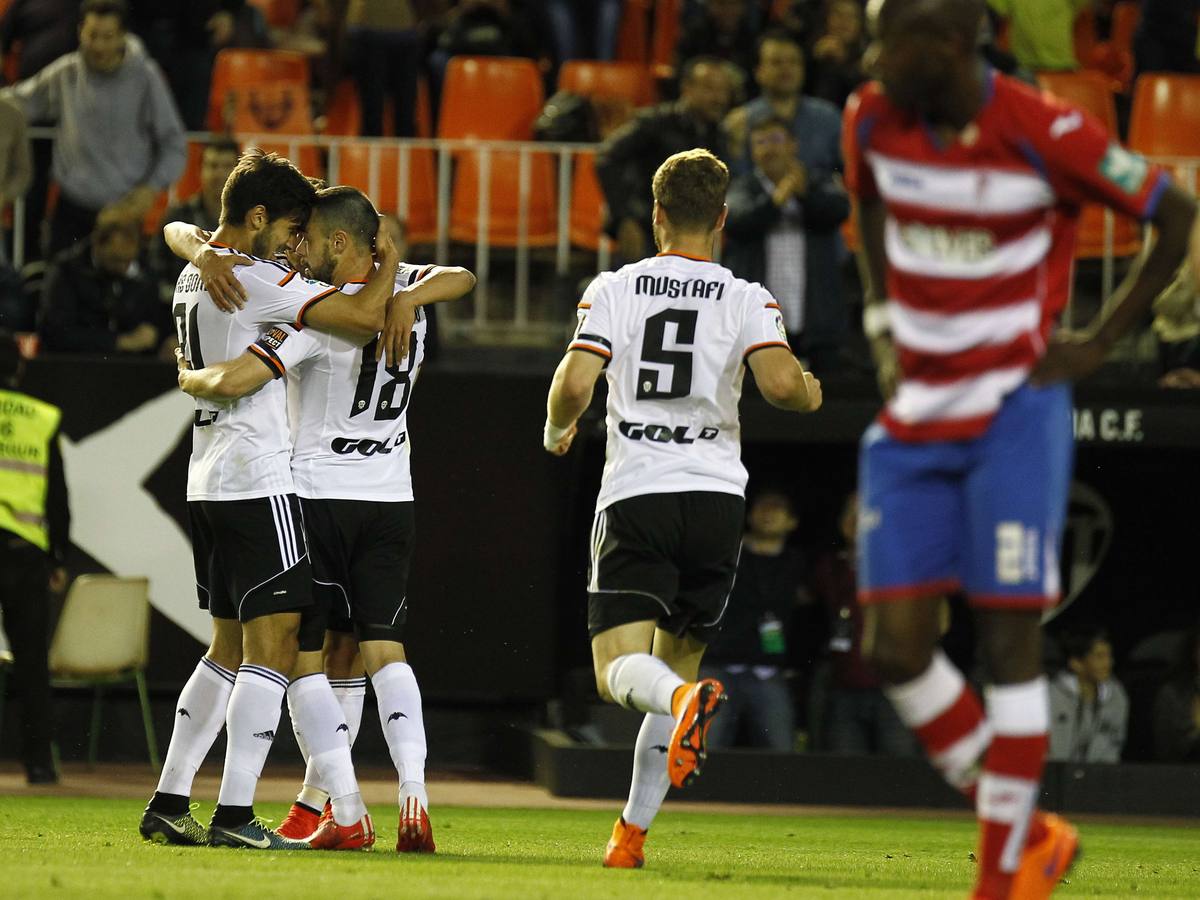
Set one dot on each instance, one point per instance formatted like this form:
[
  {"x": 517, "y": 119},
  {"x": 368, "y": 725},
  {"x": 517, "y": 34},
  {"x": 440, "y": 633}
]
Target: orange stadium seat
[
  {"x": 250, "y": 68},
  {"x": 1165, "y": 120},
  {"x": 1091, "y": 91},
  {"x": 631, "y": 82},
  {"x": 354, "y": 168},
  {"x": 497, "y": 98},
  {"x": 625, "y": 80}
]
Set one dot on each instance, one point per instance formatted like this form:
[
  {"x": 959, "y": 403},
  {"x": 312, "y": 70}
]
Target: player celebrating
[
  {"x": 252, "y": 569},
  {"x": 351, "y": 468},
  {"x": 675, "y": 332},
  {"x": 969, "y": 186}
]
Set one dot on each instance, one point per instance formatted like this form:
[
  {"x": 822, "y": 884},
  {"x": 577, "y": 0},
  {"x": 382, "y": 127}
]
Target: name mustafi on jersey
[{"x": 678, "y": 287}]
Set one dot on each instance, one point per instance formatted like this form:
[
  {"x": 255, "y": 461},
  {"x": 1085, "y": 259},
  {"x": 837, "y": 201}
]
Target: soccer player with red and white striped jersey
[{"x": 969, "y": 186}]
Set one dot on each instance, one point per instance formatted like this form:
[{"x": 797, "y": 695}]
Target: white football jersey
[
  {"x": 676, "y": 332},
  {"x": 241, "y": 449},
  {"x": 348, "y": 412}
]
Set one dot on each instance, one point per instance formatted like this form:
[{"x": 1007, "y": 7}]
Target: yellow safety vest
[{"x": 27, "y": 426}]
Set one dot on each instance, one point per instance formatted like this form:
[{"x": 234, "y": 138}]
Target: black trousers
[
  {"x": 25, "y": 603},
  {"x": 71, "y": 223}
]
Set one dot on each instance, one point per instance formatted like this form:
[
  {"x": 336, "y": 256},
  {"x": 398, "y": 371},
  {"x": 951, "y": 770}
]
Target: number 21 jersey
[
  {"x": 240, "y": 450},
  {"x": 676, "y": 332}
]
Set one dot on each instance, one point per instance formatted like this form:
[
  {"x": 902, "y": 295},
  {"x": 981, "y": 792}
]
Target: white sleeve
[
  {"x": 593, "y": 334},
  {"x": 281, "y": 347},
  {"x": 762, "y": 323},
  {"x": 275, "y": 296},
  {"x": 408, "y": 274}
]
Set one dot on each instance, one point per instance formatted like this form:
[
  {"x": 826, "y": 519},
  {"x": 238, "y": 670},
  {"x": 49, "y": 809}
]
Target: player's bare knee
[
  {"x": 272, "y": 641},
  {"x": 1011, "y": 641},
  {"x": 897, "y": 662},
  {"x": 602, "y": 682},
  {"x": 225, "y": 649},
  {"x": 378, "y": 654}
]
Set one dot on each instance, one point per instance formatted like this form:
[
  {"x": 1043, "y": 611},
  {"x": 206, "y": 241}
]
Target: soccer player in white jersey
[
  {"x": 351, "y": 467},
  {"x": 252, "y": 568},
  {"x": 673, "y": 334}
]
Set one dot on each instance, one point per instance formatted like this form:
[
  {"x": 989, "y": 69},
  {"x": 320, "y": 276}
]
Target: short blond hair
[{"x": 690, "y": 187}]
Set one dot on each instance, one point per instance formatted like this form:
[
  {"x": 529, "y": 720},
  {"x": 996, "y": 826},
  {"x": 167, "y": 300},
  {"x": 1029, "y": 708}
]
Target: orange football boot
[
  {"x": 332, "y": 836},
  {"x": 695, "y": 707},
  {"x": 300, "y": 824},
  {"x": 624, "y": 850},
  {"x": 414, "y": 834},
  {"x": 1044, "y": 864}
]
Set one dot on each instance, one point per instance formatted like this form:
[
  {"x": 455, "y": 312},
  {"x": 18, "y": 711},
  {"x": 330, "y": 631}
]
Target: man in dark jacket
[
  {"x": 626, "y": 163},
  {"x": 782, "y": 233},
  {"x": 95, "y": 300}
]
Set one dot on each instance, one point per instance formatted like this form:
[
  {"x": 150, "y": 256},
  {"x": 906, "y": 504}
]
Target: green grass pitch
[{"x": 65, "y": 847}]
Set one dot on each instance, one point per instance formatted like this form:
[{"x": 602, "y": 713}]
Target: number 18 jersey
[
  {"x": 348, "y": 411},
  {"x": 676, "y": 332}
]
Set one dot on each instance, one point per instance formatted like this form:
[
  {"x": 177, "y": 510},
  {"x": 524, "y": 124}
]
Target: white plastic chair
[{"x": 102, "y": 639}]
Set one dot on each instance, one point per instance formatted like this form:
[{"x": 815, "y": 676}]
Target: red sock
[
  {"x": 1008, "y": 788},
  {"x": 946, "y": 716}
]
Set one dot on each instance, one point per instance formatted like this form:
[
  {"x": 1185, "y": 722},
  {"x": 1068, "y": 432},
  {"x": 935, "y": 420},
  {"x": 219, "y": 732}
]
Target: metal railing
[{"x": 486, "y": 319}]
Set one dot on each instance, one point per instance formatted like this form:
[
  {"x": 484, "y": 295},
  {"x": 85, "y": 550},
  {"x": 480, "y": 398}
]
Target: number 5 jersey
[{"x": 676, "y": 332}]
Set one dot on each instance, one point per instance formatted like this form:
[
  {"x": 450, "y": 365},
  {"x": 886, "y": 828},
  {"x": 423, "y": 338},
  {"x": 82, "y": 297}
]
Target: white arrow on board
[{"x": 117, "y": 522}]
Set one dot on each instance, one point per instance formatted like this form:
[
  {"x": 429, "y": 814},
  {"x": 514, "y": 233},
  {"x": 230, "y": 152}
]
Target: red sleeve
[
  {"x": 1085, "y": 164},
  {"x": 862, "y": 111}
]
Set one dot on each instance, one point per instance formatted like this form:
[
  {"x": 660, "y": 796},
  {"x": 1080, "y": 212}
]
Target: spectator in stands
[
  {"x": 750, "y": 656},
  {"x": 184, "y": 38},
  {"x": 120, "y": 139},
  {"x": 383, "y": 44},
  {"x": 583, "y": 29},
  {"x": 858, "y": 718},
  {"x": 15, "y": 167},
  {"x": 96, "y": 299},
  {"x": 483, "y": 28},
  {"x": 835, "y": 60},
  {"x": 726, "y": 31},
  {"x": 1166, "y": 38},
  {"x": 1177, "y": 707},
  {"x": 203, "y": 209},
  {"x": 42, "y": 30},
  {"x": 627, "y": 161},
  {"x": 1089, "y": 709},
  {"x": 1042, "y": 32},
  {"x": 816, "y": 124},
  {"x": 1177, "y": 327},
  {"x": 782, "y": 232}
]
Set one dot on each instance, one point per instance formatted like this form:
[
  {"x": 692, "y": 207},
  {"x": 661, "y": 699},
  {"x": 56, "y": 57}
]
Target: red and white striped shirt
[{"x": 980, "y": 240}]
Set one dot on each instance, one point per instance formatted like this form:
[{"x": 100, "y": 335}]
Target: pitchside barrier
[{"x": 534, "y": 207}]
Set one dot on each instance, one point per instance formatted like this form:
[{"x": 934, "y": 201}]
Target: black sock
[
  {"x": 232, "y": 816},
  {"x": 169, "y": 804}
]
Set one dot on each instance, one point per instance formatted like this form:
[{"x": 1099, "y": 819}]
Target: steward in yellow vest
[{"x": 34, "y": 526}]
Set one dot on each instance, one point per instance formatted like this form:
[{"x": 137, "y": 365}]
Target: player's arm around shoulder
[
  {"x": 783, "y": 382},
  {"x": 435, "y": 284},
  {"x": 190, "y": 243},
  {"x": 223, "y": 382}
]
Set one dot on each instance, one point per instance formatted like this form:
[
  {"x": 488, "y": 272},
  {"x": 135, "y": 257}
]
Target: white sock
[
  {"x": 319, "y": 718},
  {"x": 1014, "y": 711},
  {"x": 642, "y": 682},
  {"x": 350, "y": 694},
  {"x": 250, "y": 722},
  {"x": 312, "y": 794},
  {"x": 399, "y": 701},
  {"x": 650, "y": 779},
  {"x": 199, "y": 717}
]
